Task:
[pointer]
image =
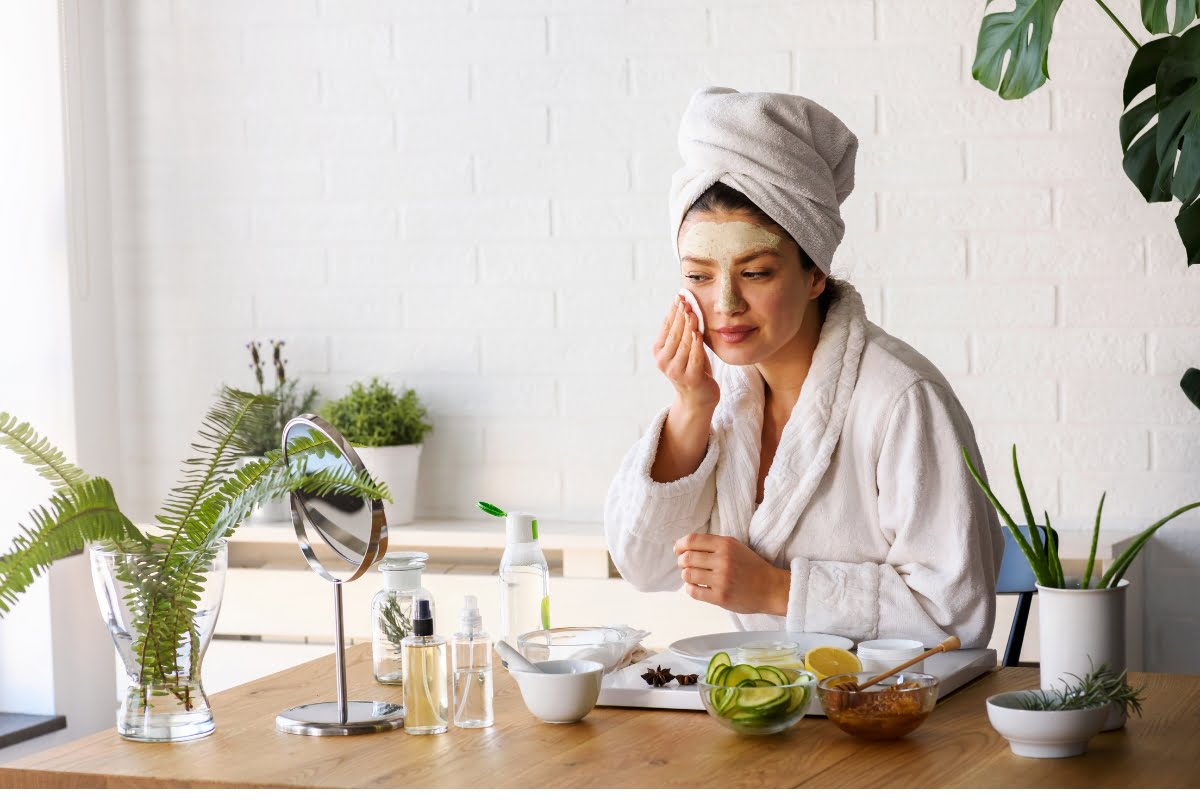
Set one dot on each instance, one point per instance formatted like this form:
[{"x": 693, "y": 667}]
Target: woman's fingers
[
  {"x": 671, "y": 344},
  {"x": 697, "y": 559},
  {"x": 698, "y": 365},
  {"x": 668, "y": 320},
  {"x": 702, "y": 593},
  {"x": 697, "y": 577},
  {"x": 679, "y": 364},
  {"x": 705, "y": 542}
]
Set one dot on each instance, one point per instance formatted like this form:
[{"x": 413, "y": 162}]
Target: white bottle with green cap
[{"x": 524, "y": 580}]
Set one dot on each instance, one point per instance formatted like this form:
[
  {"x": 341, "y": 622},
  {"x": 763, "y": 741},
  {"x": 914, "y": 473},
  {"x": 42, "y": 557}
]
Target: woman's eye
[
  {"x": 694, "y": 278},
  {"x": 756, "y": 274}
]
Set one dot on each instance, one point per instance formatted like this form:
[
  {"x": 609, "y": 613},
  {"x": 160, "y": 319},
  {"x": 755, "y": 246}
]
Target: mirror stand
[
  {"x": 360, "y": 546},
  {"x": 343, "y": 717}
]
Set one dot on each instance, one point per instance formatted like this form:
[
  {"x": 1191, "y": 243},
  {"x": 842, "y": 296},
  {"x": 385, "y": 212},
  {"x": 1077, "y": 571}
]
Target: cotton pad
[{"x": 686, "y": 294}]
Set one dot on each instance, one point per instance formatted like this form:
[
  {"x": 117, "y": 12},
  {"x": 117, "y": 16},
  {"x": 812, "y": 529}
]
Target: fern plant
[{"x": 168, "y": 566}]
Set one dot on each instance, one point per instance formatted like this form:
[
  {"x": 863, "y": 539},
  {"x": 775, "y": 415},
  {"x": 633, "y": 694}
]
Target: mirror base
[{"x": 324, "y": 719}]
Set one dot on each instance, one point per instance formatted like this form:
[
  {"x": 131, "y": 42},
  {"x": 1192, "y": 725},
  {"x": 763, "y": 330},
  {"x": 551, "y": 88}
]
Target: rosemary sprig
[
  {"x": 396, "y": 624},
  {"x": 1097, "y": 688}
]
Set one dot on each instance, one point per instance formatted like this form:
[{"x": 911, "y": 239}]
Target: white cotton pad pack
[{"x": 686, "y": 294}]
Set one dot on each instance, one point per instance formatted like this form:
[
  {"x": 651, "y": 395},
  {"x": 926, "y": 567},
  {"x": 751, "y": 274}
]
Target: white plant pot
[
  {"x": 397, "y": 467},
  {"x": 1078, "y": 630}
]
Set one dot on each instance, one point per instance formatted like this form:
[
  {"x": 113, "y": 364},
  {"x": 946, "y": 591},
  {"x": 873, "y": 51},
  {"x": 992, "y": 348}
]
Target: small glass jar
[
  {"x": 392, "y": 610},
  {"x": 776, "y": 654}
]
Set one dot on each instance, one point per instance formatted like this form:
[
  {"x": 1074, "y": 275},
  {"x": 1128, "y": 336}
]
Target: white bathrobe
[{"x": 868, "y": 500}]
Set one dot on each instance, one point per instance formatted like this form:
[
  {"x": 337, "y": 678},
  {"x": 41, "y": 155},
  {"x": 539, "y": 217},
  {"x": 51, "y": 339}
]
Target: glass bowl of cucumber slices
[{"x": 752, "y": 699}]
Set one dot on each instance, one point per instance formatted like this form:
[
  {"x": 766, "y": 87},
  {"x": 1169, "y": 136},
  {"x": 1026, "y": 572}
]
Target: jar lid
[
  {"x": 406, "y": 560},
  {"x": 770, "y": 649},
  {"x": 890, "y": 648}
]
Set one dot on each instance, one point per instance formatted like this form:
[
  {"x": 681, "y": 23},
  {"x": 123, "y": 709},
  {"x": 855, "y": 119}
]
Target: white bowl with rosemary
[{"x": 1058, "y": 723}]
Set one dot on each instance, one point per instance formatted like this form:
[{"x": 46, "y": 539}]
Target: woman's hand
[
  {"x": 679, "y": 354},
  {"x": 723, "y": 571}
]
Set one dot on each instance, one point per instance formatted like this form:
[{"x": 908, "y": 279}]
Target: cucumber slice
[
  {"x": 762, "y": 698},
  {"x": 721, "y": 659},
  {"x": 742, "y": 672},
  {"x": 722, "y": 699},
  {"x": 799, "y": 697},
  {"x": 773, "y": 674},
  {"x": 717, "y": 677}
]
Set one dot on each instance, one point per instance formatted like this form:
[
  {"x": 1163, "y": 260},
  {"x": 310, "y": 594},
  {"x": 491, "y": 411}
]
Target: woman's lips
[{"x": 735, "y": 333}]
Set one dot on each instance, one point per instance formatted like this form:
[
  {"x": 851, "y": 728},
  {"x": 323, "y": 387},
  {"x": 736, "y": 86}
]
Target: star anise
[
  {"x": 657, "y": 676},
  {"x": 687, "y": 680}
]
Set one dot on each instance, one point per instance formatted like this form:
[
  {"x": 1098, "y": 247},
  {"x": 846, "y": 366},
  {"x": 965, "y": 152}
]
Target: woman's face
[{"x": 750, "y": 284}]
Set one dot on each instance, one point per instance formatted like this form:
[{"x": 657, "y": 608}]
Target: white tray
[{"x": 953, "y": 669}]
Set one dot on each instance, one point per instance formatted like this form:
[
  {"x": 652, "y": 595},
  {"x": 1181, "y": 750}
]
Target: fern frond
[
  {"x": 264, "y": 481},
  {"x": 77, "y": 515},
  {"x": 172, "y": 583},
  {"x": 225, "y": 438},
  {"x": 22, "y": 439}
]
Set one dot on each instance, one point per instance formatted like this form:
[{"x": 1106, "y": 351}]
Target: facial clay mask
[
  {"x": 686, "y": 294},
  {"x": 722, "y": 244}
]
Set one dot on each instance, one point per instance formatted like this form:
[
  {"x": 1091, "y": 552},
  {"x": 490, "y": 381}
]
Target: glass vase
[{"x": 161, "y": 608}]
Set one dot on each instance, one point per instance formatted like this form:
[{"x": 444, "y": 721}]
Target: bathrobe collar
[{"x": 808, "y": 439}]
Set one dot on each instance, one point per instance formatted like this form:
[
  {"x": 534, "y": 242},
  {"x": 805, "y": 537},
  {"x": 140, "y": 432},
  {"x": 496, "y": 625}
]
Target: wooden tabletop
[{"x": 615, "y": 747}]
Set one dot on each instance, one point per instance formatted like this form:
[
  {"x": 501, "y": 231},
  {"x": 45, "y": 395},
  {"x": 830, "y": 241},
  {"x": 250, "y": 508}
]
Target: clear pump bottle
[
  {"x": 392, "y": 611},
  {"x": 524, "y": 580},
  {"x": 426, "y": 695},
  {"x": 471, "y": 654}
]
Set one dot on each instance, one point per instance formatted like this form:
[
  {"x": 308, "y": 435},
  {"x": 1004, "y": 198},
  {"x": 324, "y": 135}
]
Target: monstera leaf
[
  {"x": 1154, "y": 15},
  {"x": 1191, "y": 385},
  {"x": 1162, "y": 156},
  {"x": 1025, "y": 33}
]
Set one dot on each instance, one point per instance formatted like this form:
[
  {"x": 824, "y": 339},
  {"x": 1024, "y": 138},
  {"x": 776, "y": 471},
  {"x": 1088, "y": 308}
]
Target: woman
[{"x": 811, "y": 476}]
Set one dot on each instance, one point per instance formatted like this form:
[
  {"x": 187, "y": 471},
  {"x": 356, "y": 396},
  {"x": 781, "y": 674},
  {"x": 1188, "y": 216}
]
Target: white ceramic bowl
[
  {"x": 606, "y": 645},
  {"x": 1043, "y": 734},
  {"x": 880, "y": 655},
  {"x": 564, "y": 691}
]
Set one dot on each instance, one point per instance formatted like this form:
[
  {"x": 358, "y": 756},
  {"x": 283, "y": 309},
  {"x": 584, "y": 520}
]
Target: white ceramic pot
[
  {"x": 1043, "y": 734},
  {"x": 397, "y": 467},
  {"x": 1078, "y": 630}
]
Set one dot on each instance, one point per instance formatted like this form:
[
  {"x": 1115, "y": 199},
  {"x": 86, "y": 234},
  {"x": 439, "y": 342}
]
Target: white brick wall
[{"x": 468, "y": 198}]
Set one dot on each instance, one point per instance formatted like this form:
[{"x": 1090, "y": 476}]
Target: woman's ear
[{"x": 818, "y": 284}]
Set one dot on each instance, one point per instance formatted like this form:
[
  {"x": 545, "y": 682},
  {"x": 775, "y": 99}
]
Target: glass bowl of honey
[{"x": 892, "y": 708}]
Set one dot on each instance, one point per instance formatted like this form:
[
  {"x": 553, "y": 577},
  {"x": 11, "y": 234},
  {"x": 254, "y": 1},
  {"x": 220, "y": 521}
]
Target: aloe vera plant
[
  {"x": 1041, "y": 546},
  {"x": 170, "y": 563}
]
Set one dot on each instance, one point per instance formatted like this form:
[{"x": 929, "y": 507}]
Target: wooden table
[{"x": 617, "y": 747}]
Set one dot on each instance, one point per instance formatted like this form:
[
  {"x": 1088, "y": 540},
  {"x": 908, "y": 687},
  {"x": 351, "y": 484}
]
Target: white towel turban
[{"x": 792, "y": 157}]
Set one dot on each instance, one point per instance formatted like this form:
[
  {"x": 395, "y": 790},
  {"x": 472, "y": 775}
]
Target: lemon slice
[{"x": 826, "y": 661}]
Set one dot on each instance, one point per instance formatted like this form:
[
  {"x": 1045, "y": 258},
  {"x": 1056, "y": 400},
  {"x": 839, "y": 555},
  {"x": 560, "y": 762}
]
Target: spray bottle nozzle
[
  {"x": 422, "y": 618},
  {"x": 471, "y": 622}
]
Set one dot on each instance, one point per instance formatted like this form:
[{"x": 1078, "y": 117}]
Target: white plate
[{"x": 702, "y": 648}]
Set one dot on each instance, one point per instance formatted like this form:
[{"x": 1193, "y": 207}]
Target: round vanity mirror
[
  {"x": 350, "y": 532},
  {"x": 340, "y": 535}
]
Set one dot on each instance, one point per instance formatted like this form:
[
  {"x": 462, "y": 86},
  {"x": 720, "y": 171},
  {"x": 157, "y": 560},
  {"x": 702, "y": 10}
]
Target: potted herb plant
[
  {"x": 387, "y": 430},
  {"x": 265, "y": 432},
  {"x": 1080, "y": 622},
  {"x": 1058, "y": 723},
  {"x": 160, "y": 590}
]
